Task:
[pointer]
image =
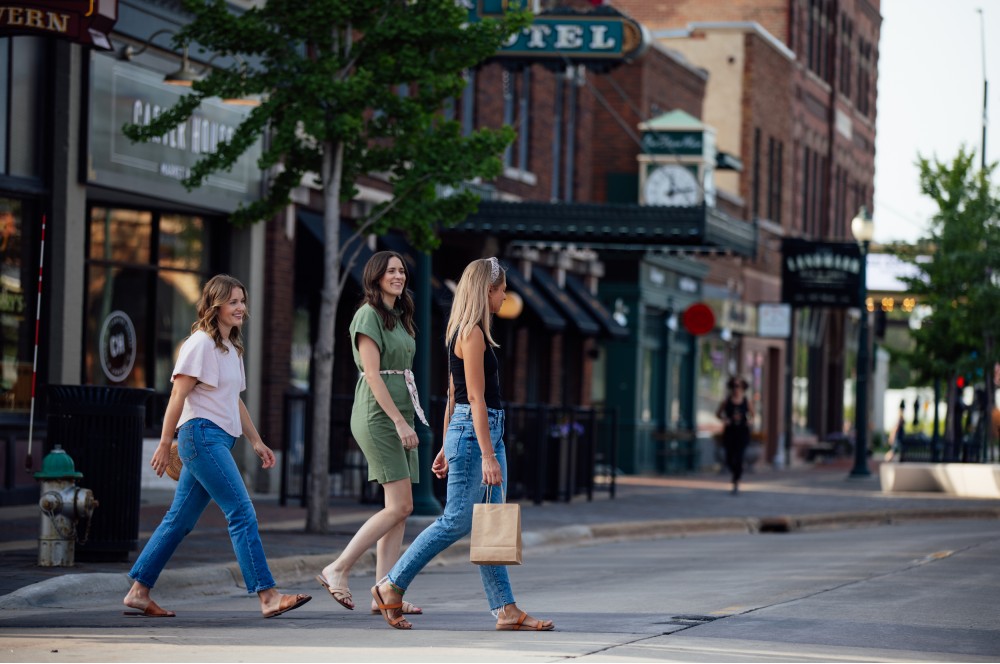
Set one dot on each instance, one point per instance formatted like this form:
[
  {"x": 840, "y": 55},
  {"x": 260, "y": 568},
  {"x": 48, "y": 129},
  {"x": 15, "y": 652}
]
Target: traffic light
[{"x": 960, "y": 382}]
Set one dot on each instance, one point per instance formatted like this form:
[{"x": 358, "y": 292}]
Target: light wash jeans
[
  {"x": 209, "y": 473},
  {"x": 465, "y": 489}
]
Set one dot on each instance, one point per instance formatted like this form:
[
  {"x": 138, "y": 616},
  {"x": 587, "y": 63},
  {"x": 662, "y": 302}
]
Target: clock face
[{"x": 671, "y": 184}]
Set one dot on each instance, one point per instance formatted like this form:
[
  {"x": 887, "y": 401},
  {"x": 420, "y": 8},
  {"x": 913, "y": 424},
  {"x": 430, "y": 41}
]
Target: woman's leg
[
  {"x": 216, "y": 470},
  {"x": 398, "y": 506},
  {"x": 496, "y": 581},
  {"x": 465, "y": 477},
  {"x": 386, "y": 555},
  {"x": 190, "y": 500}
]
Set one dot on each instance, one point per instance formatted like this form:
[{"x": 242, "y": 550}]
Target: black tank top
[{"x": 491, "y": 371}]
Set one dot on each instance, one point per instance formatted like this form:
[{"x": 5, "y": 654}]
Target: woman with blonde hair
[
  {"x": 207, "y": 414},
  {"x": 473, "y": 453}
]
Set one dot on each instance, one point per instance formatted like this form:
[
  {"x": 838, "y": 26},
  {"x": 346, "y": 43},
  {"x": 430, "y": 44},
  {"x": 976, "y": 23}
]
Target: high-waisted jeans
[
  {"x": 465, "y": 489},
  {"x": 209, "y": 473}
]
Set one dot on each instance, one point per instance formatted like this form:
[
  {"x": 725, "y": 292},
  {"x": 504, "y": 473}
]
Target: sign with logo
[
  {"x": 674, "y": 142},
  {"x": 117, "y": 346},
  {"x": 122, "y": 93},
  {"x": 602, "y": 34},
  {"x": 820, "y": 274},
  {"x": 87, "y": 22}
]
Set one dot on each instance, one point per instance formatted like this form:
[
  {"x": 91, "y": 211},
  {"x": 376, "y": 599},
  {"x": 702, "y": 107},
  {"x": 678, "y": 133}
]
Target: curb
[{"x": 221, "y": 579}]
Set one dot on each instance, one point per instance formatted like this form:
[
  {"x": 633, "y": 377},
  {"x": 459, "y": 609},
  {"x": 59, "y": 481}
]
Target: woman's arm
[
  {"x": 440, "y": 464},
  {"x": 371, "y": 361},
  {"x": 178, "y": 393},
  {"x": 250, "y": 431},
  {"x": 473, "y": 348}
]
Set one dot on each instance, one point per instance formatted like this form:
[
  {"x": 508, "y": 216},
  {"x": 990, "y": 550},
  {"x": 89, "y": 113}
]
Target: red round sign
[{"x": 698, "y": 319}]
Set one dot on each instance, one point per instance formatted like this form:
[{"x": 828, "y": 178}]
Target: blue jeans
[
  {"x": 465, "y": 489},
  {"x": 209, "y": 473}
]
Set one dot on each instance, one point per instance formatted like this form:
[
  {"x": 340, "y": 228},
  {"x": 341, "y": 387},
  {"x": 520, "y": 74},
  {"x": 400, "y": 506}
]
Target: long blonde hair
[
  {"x": 216, "y": 293},
  {"x": 471, "y": 306}
]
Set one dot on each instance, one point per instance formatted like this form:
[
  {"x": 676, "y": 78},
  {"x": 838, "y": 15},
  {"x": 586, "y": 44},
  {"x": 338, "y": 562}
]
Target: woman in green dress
[{"x": 385, "y": 402}]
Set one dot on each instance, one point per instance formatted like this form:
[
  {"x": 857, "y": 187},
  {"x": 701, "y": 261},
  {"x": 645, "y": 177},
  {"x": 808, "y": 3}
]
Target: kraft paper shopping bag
[{"x": 496, "y": 533}]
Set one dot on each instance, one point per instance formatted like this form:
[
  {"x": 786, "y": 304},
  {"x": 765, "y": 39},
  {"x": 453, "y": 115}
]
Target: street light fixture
[{"x": 863, "y": 229}]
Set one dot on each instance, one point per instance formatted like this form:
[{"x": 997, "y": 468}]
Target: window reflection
[
  {"x": 144, "y": 278},
  {"x": 16, "y": 321},
  {"x": 120, "y": 235},
  {"x": 182, "y": 242}
]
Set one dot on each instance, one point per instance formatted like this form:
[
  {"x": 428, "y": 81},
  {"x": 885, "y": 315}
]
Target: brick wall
[
  {"x": 663, "y": 14},
  {"x": 655, "y": 83}
]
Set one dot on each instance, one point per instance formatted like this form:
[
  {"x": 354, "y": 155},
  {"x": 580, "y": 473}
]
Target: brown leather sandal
[
  {"x": 399, "y": 622},
  {"x": 540, "y": 626}
]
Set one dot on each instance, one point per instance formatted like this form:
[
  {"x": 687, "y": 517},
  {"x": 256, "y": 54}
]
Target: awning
[
  {"x": 613, "y": 226},
  {"x": 314, "y": 223},
  {"x": 595, "y": 308},
  {"x": 566, "y": 304},
  {"x": 440, "y": 293},
  {"x": 534, "y": 299}
]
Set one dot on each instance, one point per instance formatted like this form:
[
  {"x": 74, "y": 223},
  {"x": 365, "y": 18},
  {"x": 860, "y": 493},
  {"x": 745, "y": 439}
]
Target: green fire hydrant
[{"x": 63, "y": 504}]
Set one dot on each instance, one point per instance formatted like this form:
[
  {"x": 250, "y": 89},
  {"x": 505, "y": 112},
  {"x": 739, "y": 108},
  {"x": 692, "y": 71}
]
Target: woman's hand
[
  {"x": 492, "y": 475},
  {"x": 161, "y": 457},
  {"x": 407, "y": 436},
  {"x": 440, "y": 465},
  {"x": 265, "y": 454}
]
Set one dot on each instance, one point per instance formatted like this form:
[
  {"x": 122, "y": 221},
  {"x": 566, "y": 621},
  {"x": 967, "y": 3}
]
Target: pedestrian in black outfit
[{"x": 737, "y": 414}]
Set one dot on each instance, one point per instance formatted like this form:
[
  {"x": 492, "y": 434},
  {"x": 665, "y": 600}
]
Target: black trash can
[{"x": 100, "y": 427}]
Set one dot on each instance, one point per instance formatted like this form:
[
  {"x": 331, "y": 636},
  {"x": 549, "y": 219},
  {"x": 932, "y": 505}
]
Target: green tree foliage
[
  {"x": 957, "y": 282},
  {"x": 347, "y": 88}
]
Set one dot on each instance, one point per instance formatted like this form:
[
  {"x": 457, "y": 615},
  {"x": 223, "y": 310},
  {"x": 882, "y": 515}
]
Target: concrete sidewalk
[{"x": 644, "y": 507}]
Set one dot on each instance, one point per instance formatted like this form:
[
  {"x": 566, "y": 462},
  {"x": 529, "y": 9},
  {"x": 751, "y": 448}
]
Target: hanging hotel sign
[
  {"x": 122, "y": 93},
  {"x": 87, "y": 22},
  {"x": 564, "y": 34},
  {"x": 820, "y": 274}
]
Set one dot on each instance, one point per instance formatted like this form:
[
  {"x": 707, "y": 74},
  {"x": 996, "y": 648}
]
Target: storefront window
[
  {"x": 144, "y": 278},
  {"x": 712, "y": 375},
  {"x": 17, "y": 311}
]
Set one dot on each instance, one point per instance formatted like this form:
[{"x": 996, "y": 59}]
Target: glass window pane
[
  {"x": 117, "y": 311},
  {"x": 177, "y": 296},
  {"x": 182, "y": 242},
  {"x": 120, "y": 235},
  {"x": 27, "y": 100},
  {"x": 17, "y": 311}
]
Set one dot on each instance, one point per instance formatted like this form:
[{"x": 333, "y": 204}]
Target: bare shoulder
[{"x": 474, "y": 343}]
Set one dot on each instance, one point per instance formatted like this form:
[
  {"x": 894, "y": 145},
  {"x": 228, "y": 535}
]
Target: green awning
[
  {"x": 566, "y": 304},
  {"x": 595, "y": 308},
  {"x": 534, "y": 300}
]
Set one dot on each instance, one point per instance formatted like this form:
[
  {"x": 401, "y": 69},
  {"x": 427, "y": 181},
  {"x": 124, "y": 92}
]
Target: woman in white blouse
[{"x": 208, "y": 416}]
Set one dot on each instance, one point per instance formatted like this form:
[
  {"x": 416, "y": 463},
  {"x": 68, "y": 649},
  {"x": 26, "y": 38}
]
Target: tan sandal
[{"x": 340, "y": 594}]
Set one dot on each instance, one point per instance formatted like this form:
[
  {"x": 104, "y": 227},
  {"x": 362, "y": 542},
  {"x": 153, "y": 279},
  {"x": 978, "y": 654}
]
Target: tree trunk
[{"x": 317, "y": 502}]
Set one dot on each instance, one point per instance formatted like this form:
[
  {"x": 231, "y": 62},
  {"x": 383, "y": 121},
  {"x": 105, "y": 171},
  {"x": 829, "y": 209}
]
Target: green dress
[{"x": 373, "y": 430}]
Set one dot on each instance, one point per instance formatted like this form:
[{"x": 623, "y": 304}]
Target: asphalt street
[{"x": 922, "y": 591}]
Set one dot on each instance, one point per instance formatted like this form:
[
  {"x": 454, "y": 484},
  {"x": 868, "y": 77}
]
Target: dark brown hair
[{"x": 375, "y": 269}]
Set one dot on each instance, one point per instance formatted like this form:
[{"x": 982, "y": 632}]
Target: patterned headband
[{"x": 494, "y": 269}]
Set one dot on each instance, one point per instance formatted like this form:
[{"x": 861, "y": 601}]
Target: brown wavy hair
[
  {"x": 375, "y": 269},
  {"x": 216, "y": 293}
]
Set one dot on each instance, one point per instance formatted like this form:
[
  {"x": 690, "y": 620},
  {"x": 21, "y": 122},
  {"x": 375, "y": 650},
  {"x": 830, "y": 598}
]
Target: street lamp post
[{"x": 863, "y": 228}]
